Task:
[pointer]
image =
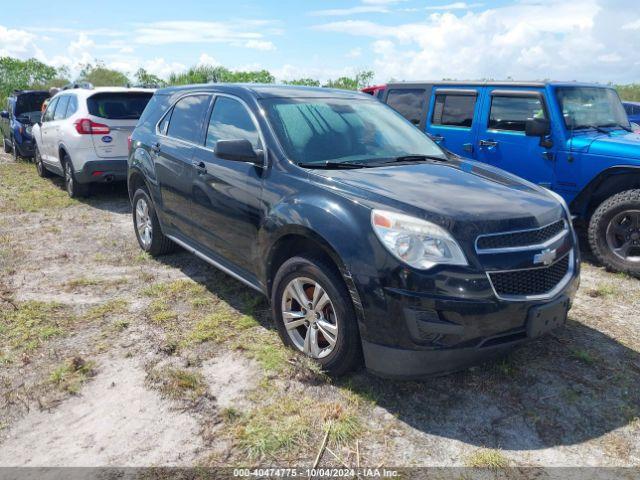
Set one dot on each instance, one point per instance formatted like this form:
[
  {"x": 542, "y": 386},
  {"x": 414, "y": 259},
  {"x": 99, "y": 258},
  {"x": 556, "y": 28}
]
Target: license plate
[{"x": 548, "y": 317}]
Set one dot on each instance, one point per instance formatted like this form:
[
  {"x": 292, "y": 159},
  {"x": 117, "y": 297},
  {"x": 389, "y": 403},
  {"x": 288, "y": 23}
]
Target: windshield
[
  {"x": 585, "y": 107},
  {"x": 321, "y": 130},
  {"x": 118, "y": 105},
  {"x": 29, "y": 103}
]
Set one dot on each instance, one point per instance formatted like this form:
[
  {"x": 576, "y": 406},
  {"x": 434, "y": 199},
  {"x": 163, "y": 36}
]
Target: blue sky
[{"x": 400, "y": 39}]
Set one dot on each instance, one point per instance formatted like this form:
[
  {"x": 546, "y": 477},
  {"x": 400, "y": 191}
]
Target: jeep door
[
  {"x": 502, "y": 141},
  {"x": 451, "y": 120},
  {"x": 179, "y": 131},
  {"x": 226, "y": 193}
]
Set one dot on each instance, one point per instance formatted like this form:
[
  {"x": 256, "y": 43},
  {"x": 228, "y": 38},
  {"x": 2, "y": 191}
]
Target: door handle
[
  {"x": 200, "y": 167},
  {"x": 488, "y": 143}
]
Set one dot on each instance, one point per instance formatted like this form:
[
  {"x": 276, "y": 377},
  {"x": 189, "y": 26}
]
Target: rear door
[
  {"x": 226, "y": 193},
  {"x": 119, "y": 111},
  {"x": 410, "y": 102},
  {"x": 451, "y": 120},
  {"x": 501, "y": 138},
  {"x": 47, "y": 131},
  {"x": 179, "y": 132}
]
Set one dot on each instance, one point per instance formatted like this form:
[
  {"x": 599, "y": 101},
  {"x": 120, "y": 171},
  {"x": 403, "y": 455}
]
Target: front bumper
[
  {"x": 413, "y": 332},
  {"x": 103, "y": 171}
]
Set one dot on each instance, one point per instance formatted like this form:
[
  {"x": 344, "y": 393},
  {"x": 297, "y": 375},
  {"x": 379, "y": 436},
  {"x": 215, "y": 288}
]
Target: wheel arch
[{"x": 609, "y": 182}]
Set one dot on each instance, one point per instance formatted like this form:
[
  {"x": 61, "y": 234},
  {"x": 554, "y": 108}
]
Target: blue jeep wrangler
[
  {"x": 23, "y": 110},
  {"x": 572, "y": 138}
]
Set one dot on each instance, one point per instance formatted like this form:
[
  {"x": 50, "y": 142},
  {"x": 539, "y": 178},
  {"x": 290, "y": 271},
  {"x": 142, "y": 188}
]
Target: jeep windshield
[
  {"x": 325, "y": 132},
  {"x": 592, "y": 107}
]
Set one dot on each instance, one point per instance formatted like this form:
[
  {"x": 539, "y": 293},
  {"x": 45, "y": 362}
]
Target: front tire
[
  {"x": 71, "y": 184},
  {"x": 614, "y": 233},
  {"x": 40, "y": 167},
  {"x": 147, "y": 226},
  {"x": 314, "y": 314}
]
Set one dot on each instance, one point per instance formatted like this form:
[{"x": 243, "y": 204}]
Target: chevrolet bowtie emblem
[{"x": 546, "y": 257}]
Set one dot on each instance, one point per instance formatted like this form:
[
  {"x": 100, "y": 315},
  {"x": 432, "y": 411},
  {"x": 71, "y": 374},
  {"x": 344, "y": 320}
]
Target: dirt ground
[{"x": 109, "y": 357}]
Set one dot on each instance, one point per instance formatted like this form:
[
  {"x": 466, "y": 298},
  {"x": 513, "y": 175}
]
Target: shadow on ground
[{"x": 563, "y": 389}]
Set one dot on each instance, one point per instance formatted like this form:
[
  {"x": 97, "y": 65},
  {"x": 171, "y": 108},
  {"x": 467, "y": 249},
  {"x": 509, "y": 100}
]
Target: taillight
[
  {"x": 85, "y": 126},
  {"x": 129, "y": 143}
]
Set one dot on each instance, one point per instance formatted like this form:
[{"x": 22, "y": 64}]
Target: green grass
[
  {"x": 31, "y": 324},
  {"x": 179, "y": 384},
  {"x": 488, "y": 458},
  {"x": 604, "y": 290},
  {"x": 72, "y": 374},
  {"x": 267, "y": 350},
  {"x": 107, "y": 309},
  {"x": 583, "y": 356},
  {"x": 23, "y": 191}
]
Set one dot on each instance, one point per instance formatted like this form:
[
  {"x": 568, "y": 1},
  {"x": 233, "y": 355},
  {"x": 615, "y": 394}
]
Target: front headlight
[
  {"x": 416, "y": 242},
  {"x": 28, "y": 129}
]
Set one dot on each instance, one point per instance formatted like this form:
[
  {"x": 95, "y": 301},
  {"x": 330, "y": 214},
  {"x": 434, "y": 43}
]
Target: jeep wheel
[
  {"x": 315, "y": 315},
  {"x": 147, "y": 226},
  {"x": 40, "y": 168},
  {"x": 614, "y": 232},
  {"x": 71, "y": 184}
]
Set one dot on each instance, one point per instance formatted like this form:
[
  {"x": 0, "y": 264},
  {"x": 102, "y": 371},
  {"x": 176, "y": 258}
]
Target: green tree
[
  {"x": 22, "y": 74},
  {"x": 218, "y": 74},
  {"x": 101, "y": 76},
  {"x": 360, "y": 80},
  {"x": 306, "y": 82},
  {"x": 630, "y": 93},
  {"x": 149, "y": 80}
]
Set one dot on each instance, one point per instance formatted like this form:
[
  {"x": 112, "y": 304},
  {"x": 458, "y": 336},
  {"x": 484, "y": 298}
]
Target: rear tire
[
  {"x": 40, "y": 167},
  {"x": 326, "y": 331},
  {"x": 71, "y": 185},
  {"x": 147, "y": 226},
  {"x": 614, "y": 233}
]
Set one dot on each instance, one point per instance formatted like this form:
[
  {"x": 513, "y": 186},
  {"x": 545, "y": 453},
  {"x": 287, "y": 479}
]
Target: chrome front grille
[{"x": 522, "y": 239}]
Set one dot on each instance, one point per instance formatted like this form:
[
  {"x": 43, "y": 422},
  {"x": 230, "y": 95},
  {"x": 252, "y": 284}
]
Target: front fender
[{"x": 613, "y": 179}]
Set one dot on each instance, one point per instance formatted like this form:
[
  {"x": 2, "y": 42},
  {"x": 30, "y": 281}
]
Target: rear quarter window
[
  {"x": 118, "y": 105},
  {"x": 408, "y": 102}
]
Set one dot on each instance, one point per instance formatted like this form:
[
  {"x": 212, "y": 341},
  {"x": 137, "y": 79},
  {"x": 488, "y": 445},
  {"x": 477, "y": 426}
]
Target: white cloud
[
  {"x": 338, "y": 12},
  {"x": 354, "y": 53},
  {"x": 263, "y": 45},
  {"x": 14, "y": 42},
  {"x": 206, "y": 59},
  {"x": 525, "y": 40},
  {"x": 381, "y": 2},
  {"x": 173, "y": 32}
]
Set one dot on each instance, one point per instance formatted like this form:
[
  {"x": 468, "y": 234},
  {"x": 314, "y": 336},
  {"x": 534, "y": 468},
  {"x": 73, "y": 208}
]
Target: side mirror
[
  {"x": 238, "y": 151},
  {"x": 537, "y": 127},
  {"x": 4, "y": 114}
]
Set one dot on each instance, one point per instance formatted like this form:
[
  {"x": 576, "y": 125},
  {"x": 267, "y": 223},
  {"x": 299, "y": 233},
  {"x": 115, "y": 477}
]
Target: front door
[
  {"x": 226, "y": 193},
  {"x": 501, "y": 139},
  {"x": 451, "y": 120},
  {"x": 181, "y": 130}
]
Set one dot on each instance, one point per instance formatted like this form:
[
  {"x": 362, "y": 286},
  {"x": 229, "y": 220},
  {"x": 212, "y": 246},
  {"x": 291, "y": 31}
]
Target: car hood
[
  {"x": 617, "y": 144},
  {"x": 464, "y": 196}
]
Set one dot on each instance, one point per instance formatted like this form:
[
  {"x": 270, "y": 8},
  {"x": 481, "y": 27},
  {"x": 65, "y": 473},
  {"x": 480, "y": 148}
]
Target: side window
[
  {"x": 187, "y": 117},
  {"x": 511, "y": 113},
  {"x": 72, "y": 107},
  {"x": 61, "y": 109},
  {"x": 454, "y": 110},
  {"x": 48, "y": 114},
  {"x": 408, "y": 102},
  {"x": 230, "y": 120},
  {"x": 164, "y": 124}
]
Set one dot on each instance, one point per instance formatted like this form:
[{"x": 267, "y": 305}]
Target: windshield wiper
[
  {"x": 416, "y": 158},
  {"x": 329, "y": 165},
  {"x": 617, "y": 125}
]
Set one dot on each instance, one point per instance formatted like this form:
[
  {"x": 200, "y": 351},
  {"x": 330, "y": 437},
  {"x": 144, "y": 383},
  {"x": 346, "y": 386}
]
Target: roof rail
[{"x": 85, "y": 85}]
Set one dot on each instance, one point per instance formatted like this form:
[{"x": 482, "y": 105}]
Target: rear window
[
  {"x": 118, "y": 105},
  {"x": 408, "y": 102},
  {"x": 454, "y": 110},
  {"x": 30, "y": 102}
]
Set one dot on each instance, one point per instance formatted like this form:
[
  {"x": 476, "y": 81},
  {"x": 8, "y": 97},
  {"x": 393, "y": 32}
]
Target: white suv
[{"x": 84, "y": 134}]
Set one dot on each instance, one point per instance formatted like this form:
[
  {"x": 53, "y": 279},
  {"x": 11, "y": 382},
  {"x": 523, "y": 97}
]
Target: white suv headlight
[{"x": 416, "y": 242}]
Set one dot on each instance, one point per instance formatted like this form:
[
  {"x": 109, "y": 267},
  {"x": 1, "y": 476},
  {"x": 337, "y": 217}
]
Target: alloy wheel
[
  {"x": 623, "y": 235},
  {"x": 143, "y": 223},
  {"x": 68, "y": 178},
  {"x": 309, "y": 317}
]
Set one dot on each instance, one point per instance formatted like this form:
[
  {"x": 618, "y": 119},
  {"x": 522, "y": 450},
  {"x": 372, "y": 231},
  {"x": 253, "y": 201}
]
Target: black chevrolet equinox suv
[{"x": 371, "y": 242}]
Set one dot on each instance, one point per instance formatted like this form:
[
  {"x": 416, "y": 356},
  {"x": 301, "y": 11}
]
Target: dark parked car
[
  {"x": 633, "y": 111},
  {"x": 23, "y": 110},
  {"x": 366, "y": 236}
]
